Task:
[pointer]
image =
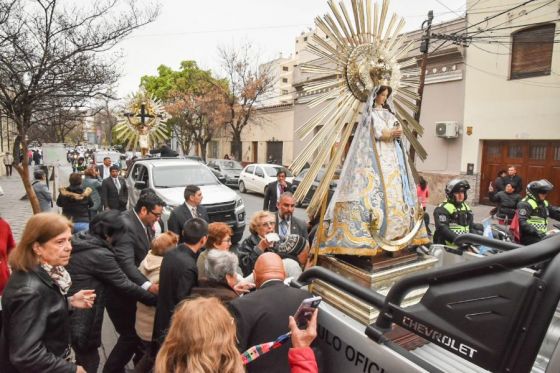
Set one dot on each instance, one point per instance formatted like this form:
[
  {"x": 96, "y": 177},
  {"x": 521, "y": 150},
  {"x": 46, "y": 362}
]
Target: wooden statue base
[{"x": 378, "y": 273}]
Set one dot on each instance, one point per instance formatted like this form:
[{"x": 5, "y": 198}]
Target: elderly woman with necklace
[{"x": 36, "y": 322}]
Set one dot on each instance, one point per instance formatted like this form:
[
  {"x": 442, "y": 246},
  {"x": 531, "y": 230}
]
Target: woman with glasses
[
  {"x": 262, "y": 223},
  {"x": 219, "y": 238}
]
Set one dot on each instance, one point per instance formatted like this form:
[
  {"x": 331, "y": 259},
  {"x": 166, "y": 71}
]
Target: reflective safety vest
[
  {"x": 540, "y": 223},
  {"x": 459, "y": 222}
]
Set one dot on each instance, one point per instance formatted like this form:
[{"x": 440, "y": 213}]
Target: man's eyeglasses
[
  {"x": 157, "y": 214},
  {"x": 268, "y": 224}
]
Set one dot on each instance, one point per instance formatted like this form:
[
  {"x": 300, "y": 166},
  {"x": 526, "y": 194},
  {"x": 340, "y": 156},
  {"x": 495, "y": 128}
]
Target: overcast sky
[{"x": 193, "y": 30}]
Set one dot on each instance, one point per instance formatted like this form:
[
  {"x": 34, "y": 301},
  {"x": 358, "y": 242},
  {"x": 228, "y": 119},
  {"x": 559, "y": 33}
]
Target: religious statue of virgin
[{"x": 369, "y": 93}]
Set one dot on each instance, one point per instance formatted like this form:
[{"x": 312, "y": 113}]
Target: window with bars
[
  {"x": 556, "y": 151},
  {"x": 494, "y": 151},
  {"x": 537, "y": 152},
  {"x": 515, "y": 151},
  {"x": 531, "y": 52}
]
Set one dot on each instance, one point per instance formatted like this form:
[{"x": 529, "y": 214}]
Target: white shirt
[
  {"x": 106, "y": 172},
  {"x": 192, "y": 209}
]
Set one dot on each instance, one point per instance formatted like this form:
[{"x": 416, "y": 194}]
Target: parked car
[
  {"x": 168, "y": 178},
  {"x": 255, "y": 177},
  {"x": 227, "y": 170},
  {"x": 195, "y": 158},
  {"x": 315, "y": 185}
]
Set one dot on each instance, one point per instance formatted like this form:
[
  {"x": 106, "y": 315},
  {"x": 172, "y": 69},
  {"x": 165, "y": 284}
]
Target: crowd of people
[
  {"x": 167, "y": 293},
  {"x": 182, "y": 299}
]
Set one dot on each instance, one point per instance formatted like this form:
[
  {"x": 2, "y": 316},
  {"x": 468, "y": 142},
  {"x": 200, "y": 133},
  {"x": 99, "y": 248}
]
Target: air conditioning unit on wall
[{"x": 447, "y": 130}]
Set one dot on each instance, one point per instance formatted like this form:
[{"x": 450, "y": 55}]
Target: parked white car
[{"x": 255, "y": 177}]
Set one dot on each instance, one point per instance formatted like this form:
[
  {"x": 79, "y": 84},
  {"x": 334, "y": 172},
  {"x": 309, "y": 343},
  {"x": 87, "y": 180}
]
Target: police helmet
[
  {"x": 539, "y": 186},
  {"x": 455, "y": 186}
]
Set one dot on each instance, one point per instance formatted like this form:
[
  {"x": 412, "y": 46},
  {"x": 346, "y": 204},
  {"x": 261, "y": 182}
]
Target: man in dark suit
[
  {"x": 192, "y": 208},
  {"x": 105, "y": 168},
  {"x": 114, "y": 192},
  {"x": 178, "y": 275},
  {"x": 274, "y": 190},
  {"x": 130, "y": 249},
  {"x": 275, "y": 300},
  {"x": 286, "y": 222},
  {"x": 514, "y": 179}
]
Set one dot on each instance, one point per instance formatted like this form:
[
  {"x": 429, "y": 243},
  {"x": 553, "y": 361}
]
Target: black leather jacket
[
  {"x": 93, "y": 266},
  {"x": 35, "y": 326}
]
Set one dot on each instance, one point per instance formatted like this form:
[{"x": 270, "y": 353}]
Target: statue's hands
[{"x": 396, "y": 132}]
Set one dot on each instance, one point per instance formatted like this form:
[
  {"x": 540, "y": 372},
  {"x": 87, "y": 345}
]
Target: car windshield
[
  {"x": 180, "y": 176},
  {"x": 273, "y": 170},
  {"x": 231, "y": 165}
]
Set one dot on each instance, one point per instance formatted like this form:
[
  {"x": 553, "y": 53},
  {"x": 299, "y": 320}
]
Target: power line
[
  {"x": 523, "y": 82},
  {"x": 497, "y": 15},
  {"x": 512, "y": 19}
]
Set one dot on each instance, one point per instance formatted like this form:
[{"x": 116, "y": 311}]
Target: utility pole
[{"x": 424, "y": 47}]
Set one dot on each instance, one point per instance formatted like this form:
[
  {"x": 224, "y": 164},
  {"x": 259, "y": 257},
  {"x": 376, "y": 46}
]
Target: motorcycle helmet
[
  {"x": 455, "y": 186},
  {"x": 539, "y": 186}
]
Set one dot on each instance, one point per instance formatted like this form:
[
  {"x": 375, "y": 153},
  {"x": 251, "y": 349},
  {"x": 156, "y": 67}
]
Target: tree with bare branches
[
  {"x": 199, "y": 117},
  {"x": 247, "y": 84},
  {"x": 50, "y": 52}
]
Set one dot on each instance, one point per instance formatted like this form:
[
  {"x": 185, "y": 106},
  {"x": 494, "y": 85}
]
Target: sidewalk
[{"x": 12, "y": 208}]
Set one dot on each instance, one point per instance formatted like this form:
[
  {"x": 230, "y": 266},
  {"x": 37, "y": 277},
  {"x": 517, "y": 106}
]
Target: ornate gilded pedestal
[{"x": 381, "y": 275}]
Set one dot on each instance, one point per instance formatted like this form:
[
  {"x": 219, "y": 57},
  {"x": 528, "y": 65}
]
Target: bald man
[{"x": 275, "y": 300}]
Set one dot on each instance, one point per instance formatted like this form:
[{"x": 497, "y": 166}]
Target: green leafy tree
[{"x": 195, "y": 100}]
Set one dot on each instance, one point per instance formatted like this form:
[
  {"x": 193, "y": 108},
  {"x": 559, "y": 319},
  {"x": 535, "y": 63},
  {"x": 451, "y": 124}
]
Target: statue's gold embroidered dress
[{"x": 376, "y": 194}]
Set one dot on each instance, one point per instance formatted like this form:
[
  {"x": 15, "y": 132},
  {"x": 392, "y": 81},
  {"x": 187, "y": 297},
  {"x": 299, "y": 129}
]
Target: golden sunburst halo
[
  {"x": 360, "y": 52},
  {"x": 131, "y": 126}
]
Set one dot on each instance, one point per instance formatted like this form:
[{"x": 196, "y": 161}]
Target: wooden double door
[{"x": 534, "y": 160}]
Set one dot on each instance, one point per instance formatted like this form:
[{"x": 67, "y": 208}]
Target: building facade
[
  {"x": 512, "y": 91},
  {"x": 8, "y": 134}
]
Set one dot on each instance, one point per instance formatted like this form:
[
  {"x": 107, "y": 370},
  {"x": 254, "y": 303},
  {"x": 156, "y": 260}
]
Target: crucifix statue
[{"x": 143, "y": 123}]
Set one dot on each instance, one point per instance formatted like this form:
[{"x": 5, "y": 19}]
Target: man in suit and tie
[
  {"x": 192, "y": 208},
  {"x": 130, "y": 249},
  {"x": 286, "y": 222},
  {"x": 274, "y": 190},
  {"x": 114, "y": 192},
  {"x": 105, "y": 168},
  {"x": 262, "y": 315}
]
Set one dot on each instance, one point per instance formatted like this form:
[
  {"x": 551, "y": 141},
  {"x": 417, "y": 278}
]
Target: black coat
[
  {"x": 75, "y": 202},
  {"x": 515, "y": 182},
  {"x": 180, "y": 215},
  {"x": 132, "y": 247},
  {"x": 177, "y": 276},
  {"x": 271, "y": 196},
  {"x": 35, "y": 325},
  {"x": 93, "y": 265},
  {"x": 262, "y": 316},
  {"x": 110, "y": 197},
  {"x": 507, "y": 203}
]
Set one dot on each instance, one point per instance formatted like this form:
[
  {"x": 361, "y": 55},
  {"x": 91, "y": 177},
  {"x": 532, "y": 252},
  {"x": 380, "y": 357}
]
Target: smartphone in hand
[{"x": 305, "y": 311}]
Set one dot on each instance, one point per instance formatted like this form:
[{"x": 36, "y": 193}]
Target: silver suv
[{"x": 168, "y": 178}]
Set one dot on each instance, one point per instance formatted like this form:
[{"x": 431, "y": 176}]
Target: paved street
[{"x": 17, "y": 211}]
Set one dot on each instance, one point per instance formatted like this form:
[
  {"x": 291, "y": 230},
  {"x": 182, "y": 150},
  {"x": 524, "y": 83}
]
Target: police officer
[
  {"x": 534, "y": 210},
  {"x": 454, "y": 216}
]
